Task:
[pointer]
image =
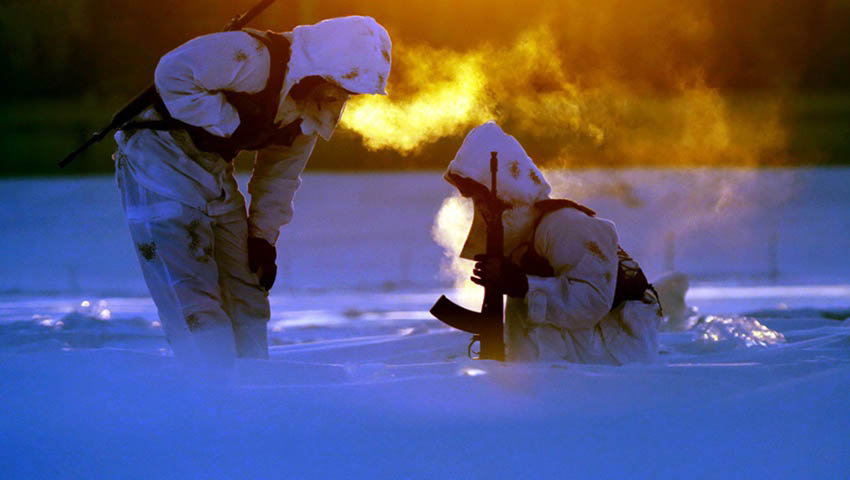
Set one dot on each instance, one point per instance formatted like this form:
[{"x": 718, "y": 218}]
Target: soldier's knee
[
  {"x": 248, "y": 298},
  {"x": 202, "y": 319}
]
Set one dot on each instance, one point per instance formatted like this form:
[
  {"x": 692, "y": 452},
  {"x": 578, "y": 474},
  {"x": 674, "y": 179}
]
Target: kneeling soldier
[{"x": 574, "y": 294}]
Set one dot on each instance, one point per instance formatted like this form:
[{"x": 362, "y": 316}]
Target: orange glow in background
[
  {"x": 581, "y": 84},
  {"x": 436, "y": 93}
]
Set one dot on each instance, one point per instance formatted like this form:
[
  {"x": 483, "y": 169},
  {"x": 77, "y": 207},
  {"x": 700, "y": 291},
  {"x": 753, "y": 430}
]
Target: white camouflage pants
[{"x": 210, "y": 304}]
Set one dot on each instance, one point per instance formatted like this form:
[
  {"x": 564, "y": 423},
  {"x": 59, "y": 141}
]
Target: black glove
[
  {"x": 500, "y": 273},
  {"x": 261, "y": 260}
]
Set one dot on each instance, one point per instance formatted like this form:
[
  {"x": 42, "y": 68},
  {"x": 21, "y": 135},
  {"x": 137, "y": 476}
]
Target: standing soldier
[{"x": 208, "y": 262}]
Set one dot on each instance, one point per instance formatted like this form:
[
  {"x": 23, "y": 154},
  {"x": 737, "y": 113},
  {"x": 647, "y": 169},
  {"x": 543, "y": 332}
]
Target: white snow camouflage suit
[
  {"x": 187, "y": 218},
  {"x": 567, "y": 315}
]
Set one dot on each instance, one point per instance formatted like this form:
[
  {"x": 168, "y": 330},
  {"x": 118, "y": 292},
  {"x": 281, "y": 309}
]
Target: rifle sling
[{"x": 262, "y": 116}]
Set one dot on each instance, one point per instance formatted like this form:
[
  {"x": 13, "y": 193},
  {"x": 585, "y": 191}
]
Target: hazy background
[{"x": 603, "y": 83}]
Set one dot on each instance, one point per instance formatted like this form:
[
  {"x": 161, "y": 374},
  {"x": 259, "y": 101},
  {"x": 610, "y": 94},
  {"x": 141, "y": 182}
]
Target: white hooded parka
[
  {"x": 568, "y": 316},
  {"x": 350, "y": 52},
  {"x": 186, "y": 215}
]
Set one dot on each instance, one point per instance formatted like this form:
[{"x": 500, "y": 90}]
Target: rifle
[
  {"x": 148, "y": 96},
  {"x": 487, "y": 326}
]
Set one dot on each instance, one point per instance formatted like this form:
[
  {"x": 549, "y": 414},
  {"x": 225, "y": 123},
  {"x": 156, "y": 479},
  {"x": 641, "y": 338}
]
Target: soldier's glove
[
  {"x": 500, "y": 273},
  {"x": 261, "y": 260}
]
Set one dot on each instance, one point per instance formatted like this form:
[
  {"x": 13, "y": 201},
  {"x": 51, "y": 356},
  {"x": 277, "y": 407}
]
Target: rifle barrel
[
  {"x": 241, "y": 20},
  {"x": 91, "y": 141}
]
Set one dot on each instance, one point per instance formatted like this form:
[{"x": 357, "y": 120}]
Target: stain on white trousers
[{"x": 195, "y": 265}]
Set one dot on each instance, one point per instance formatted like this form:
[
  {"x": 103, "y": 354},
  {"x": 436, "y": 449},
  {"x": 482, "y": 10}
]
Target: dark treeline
[
  {"x": 73, "y": 47},
  {"x": 105, "y": 51}
]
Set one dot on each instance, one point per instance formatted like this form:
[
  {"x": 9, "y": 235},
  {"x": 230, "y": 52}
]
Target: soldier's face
[
  {"x": 323, "y": 107},
  {"x": 330, "y": 97},
  {"x": 476, "y": 240}
]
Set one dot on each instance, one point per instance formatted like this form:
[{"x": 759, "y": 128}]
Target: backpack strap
[
  {"x": 533, "y": 263},
  {"x": 261, "y": 107},
  {"x": 553, "y": 204}
]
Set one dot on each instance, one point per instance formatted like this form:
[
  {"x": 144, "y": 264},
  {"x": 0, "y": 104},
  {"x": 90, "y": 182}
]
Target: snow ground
[
  {"x": 362, "y": 383},
  {"x": 389, "y": 394}
]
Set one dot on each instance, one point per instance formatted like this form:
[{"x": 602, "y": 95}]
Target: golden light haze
[
  {"x": 567, "y": 116},
  {"x": 436, "y": 93},
  {"x": 441, "y": 93}
]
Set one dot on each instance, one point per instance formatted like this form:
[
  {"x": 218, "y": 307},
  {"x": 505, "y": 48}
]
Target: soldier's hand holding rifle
[{"x": 500, "y": 273}]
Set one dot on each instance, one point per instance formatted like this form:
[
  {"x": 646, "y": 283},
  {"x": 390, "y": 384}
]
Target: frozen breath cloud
[
  {"x": 438, "y": 93},
  {"x": 571, "y": 118},
  {"x": 601, "y": 84}
]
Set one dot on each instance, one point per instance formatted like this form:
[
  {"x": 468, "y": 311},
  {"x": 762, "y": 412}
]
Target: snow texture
[{"x": 363, "y": 383}]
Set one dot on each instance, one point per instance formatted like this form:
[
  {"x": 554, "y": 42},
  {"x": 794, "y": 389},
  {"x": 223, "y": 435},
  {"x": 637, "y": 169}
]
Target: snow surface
[{"x": 363, "y": 383}]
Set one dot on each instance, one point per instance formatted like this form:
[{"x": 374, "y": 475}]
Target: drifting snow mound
[
  {"x": 735, "y": 332},
  {"x": 88, "y": 325}
]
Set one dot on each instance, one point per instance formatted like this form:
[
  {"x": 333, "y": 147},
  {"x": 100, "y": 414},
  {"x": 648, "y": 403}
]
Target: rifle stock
[
  {"x": 458, "y": 317},
  {"x": 147, "y": 96}
]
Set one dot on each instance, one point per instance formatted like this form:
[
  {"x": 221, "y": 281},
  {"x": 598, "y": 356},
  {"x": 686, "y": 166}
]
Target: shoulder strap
[
  {"x": 279, "y": 53},
  {"x": 631, "y": 282},
  {"x": 554, "y": 204},
  {"x": 532, "y": 262}
]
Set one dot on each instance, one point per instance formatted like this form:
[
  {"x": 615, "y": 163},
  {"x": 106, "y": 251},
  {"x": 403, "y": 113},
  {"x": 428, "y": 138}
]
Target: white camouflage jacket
[
  {"x": 567, "y": 316},
  {"x": 190, "y": 79}
]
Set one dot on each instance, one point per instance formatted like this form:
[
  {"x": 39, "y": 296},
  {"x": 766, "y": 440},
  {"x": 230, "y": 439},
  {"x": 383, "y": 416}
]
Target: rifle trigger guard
[{"x": 475, "y": 338}]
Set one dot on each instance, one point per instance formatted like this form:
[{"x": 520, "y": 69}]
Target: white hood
[
  {"x": 519, "y": 183},
  {"x": 351, "y": 52}
]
